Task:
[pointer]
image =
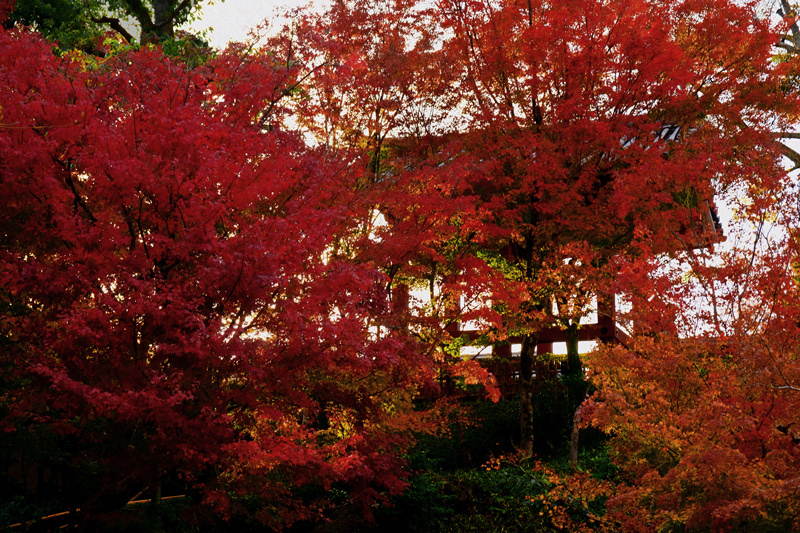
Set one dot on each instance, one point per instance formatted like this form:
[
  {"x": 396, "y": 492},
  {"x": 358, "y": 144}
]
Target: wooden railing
[{"x": 506, "y": 373}]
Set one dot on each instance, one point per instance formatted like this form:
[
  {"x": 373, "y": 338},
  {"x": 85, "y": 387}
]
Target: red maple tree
[
  {"x": 174, "y": 309},
  {"x": 517, "y": 148}
]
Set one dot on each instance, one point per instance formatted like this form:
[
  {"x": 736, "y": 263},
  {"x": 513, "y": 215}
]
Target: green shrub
[
  {"x": 480, "y": 430},
  {"x": 465, "y": 501}
]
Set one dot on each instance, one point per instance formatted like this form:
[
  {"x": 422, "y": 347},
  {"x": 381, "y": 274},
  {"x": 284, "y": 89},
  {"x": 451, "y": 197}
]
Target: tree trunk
[
  {"x": 526, "y": 360},
  {"x": 573, "y": 441},
  {"x": 574, "y": 365},
  {"x": 162, "y": 18}
]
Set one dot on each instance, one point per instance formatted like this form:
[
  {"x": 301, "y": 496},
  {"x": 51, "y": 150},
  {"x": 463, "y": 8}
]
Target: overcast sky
[{"x": 233, "y": 19}]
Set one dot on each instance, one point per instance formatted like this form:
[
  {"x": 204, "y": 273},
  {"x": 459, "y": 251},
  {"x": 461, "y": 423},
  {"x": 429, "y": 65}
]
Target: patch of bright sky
[{"x": 232, "y": 20}]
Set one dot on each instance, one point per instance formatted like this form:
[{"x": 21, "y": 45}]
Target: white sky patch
[{"x": 232, "y": 20}]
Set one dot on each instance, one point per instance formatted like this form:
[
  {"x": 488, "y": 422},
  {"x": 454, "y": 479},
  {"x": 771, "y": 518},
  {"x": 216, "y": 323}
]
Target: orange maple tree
[{"x": 702, "y": 405}]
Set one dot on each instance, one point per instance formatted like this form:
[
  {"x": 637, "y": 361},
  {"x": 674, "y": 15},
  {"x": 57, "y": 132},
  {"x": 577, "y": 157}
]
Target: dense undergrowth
[
  {"x": 474, "y": 481},
  {"x": 468, "y": 479}
]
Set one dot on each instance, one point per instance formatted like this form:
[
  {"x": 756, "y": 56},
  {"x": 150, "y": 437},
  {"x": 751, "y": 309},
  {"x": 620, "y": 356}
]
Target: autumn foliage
[
  {"x": 172, "y": 308},
  {"x": 518, "y": 150},
  {"x": 211, "y": 275},
  {"x": 703, "y": 415}
]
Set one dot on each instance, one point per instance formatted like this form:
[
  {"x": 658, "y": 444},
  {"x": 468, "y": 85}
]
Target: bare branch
[
  {"x": 138, "y": 10},
  {"x": 115, "y": 25},
  {"x": 792, "y": 154}
]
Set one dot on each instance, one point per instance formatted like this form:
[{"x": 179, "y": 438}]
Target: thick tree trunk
[
  {"x": 526, "y": 360},
  {"x": 162, "y": 18}
]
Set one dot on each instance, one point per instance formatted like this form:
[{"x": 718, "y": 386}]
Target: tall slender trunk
[
  {"x": 573, "y": 441},
  {"x": 526, "y": 360},
  {"x": 527, "y": 357}
]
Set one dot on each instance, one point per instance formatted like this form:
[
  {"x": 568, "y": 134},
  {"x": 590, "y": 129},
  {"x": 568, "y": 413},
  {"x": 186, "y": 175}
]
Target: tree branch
[
  {"x": 787, "y": 11},
  {"x": 180, "y": 7},
  {"x": 138, "y": 10},
  {"x": 792, "y": 155},
  {"x": 115, "y": 25}
]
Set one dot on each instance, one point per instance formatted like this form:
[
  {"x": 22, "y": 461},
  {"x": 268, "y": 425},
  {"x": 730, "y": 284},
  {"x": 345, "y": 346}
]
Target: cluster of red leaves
[
  {"x": 172, "y": 298},
  {"x": 543, "y": 133}
]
